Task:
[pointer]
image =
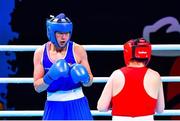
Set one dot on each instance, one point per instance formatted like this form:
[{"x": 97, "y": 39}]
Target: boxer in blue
[{"x": 61, "y": 68}]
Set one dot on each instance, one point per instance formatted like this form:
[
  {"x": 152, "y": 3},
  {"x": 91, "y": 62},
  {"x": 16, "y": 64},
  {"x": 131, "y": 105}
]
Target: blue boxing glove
[
  {"x": 79, "y": 74},
  {"x": 58, "y": 69}
]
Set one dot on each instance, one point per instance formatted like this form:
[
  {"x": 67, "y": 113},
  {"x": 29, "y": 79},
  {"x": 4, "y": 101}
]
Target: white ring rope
[
  {"x": 22, "y": 48},
  {"x": 88, "y": 47},
  {"x": 26, "y": 113},
  {"x": 95, "y": 80}
]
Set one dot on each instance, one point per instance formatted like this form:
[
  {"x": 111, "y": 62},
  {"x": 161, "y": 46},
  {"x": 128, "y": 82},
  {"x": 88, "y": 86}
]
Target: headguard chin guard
[
  {"x": 137, "y": 49},
  {"x": 61, "y": 24}
]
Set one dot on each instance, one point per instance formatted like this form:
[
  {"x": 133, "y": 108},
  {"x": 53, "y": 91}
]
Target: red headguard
[{"x": 137, "y": 49}]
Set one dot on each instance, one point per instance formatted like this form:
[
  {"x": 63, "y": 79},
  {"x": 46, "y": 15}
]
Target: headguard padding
[
  {"x": 137, "y": 49},
  {"x": 61, "y": 24}
]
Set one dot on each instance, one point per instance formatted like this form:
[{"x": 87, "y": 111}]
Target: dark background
[{"x": 95, "y": 22}]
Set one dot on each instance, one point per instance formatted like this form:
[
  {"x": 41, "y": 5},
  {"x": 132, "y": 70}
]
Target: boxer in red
[{"x": 134, "y": 92}]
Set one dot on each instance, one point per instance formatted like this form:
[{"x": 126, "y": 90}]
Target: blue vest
[{"x": 63, "y": 83}]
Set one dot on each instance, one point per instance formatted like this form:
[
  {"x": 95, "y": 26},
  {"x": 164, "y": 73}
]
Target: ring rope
[
  {"x": 95, "y": 80},
  {"x": 27, "y": 113},
  {"x": 88, "y": 47}
]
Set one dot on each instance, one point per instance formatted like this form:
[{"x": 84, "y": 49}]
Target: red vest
[{"x": 133, "y": 100}]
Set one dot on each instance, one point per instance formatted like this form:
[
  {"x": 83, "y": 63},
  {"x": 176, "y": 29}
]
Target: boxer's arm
[
  {"x": 160, "y": 100},
  {"x": 81, "y": 55},
  {"x": 39, "y": 84},
  {"x": 104, "y": 101}
]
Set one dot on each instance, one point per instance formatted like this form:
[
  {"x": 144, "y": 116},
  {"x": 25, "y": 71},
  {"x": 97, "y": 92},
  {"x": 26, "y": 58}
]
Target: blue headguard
[{"x": 61, "y": 24}]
